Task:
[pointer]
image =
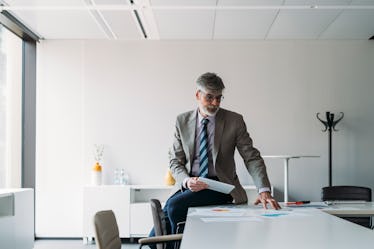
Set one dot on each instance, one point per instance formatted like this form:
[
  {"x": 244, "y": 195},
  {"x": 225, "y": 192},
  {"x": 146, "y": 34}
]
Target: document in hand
[{"x": 217, "y": 186}]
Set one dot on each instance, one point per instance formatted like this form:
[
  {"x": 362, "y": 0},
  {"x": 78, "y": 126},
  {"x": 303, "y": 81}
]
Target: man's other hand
[{"x": 264, "y": 198}]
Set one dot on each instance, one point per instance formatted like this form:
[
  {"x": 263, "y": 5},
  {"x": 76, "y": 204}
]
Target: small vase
[
  {"x": 96, "y": 175},
  {"x": 169, "y": 179}
]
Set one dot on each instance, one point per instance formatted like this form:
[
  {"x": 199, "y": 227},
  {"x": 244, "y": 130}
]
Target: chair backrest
[
  {"x": 162, "y": 239},
  {"x": 106, "y": 230},
  {"x": 349, "y": 193},
  {"x": 343, "y": 193},
  {"x": 159, "y": 224},
  {"x": 158, "y": 218}
]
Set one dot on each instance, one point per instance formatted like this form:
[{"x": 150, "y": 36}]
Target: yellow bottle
[{"x": 169, "y": 179}]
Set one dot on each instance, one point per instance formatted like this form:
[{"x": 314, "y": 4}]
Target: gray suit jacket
[{"x": 230, "y": 133}]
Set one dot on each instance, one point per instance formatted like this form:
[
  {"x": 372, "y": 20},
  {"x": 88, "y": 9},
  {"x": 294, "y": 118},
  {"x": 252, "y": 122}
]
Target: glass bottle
[
  {"x": 116, "y": 177},
  {"x": 122, "y": 177}
]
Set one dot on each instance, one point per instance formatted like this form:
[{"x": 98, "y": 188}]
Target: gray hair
[{"x": 210, "y": 82}]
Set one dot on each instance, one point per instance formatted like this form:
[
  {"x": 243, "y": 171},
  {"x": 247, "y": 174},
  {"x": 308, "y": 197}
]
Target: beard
[{"x": 209, "y": 110}]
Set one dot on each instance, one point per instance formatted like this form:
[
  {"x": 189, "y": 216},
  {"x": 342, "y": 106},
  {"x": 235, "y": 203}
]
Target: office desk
[
  {"x": 349, "y": 210},
  {"x": 17, "y": 218},
  {"x": 298, "y": 228}
]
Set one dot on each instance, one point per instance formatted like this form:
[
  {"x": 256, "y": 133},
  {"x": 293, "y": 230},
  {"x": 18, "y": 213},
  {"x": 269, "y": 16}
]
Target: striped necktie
[{"x": 203, "y": 152}]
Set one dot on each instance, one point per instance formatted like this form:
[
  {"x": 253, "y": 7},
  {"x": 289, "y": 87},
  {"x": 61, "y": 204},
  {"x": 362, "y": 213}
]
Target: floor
[{"x": 74, "y": 244}]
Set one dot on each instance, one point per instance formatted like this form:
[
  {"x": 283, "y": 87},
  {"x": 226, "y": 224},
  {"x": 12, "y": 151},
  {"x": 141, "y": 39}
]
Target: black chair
[
  {"x": 349, "y": 193},
  {"x": 162, "y": 239}
]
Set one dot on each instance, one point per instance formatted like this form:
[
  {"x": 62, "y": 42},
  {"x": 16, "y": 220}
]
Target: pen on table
[{"x": 297, "y": 202}]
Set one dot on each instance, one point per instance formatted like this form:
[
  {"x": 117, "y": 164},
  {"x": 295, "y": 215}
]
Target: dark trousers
[{"x": 177, "y": 205}]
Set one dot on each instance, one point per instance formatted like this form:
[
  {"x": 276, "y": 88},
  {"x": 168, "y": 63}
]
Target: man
[{"x": 204, "y": 144}]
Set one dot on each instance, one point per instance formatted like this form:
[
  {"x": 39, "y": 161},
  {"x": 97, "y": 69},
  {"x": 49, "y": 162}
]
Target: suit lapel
[
  {"x": 191, "y": 130},
  {"x": 220, "y": 123}
]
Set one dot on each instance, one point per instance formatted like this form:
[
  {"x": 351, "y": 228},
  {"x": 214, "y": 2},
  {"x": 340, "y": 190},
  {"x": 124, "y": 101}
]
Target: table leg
[{"x": 286, "y": 179}]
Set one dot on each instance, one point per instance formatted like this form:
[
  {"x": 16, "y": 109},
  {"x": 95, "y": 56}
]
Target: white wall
[{"x": 126, "y": 95}]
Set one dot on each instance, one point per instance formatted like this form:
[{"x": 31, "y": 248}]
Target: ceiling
[{"x": 195, "y": 19}]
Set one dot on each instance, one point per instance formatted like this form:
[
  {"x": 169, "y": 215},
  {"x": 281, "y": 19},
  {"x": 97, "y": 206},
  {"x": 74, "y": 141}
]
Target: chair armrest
[{"x": 160, "y": 239}]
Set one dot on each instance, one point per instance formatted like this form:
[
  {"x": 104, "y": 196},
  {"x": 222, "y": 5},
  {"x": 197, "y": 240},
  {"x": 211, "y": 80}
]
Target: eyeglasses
[{"x": 210, "y": 97}]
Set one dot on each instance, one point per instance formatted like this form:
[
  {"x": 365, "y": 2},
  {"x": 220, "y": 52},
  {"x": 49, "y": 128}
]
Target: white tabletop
[
  {"x": 13, "y": 190},
  {"x": 358, "y": 209},
  {"x": 288, "y": 156},
  {"x": 258, "y": 228}
]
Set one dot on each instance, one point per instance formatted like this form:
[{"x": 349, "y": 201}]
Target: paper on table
[
  {"x": 217, "y": 211},
  {"x": 279, "y": 214},
  {"x": 344, "y": 208},
  {"x": 218, "y": 186},
  {"x": 345, "y": 202},
  {"x": 274, "y": 214},
  {"x": 230, "y": 219}
]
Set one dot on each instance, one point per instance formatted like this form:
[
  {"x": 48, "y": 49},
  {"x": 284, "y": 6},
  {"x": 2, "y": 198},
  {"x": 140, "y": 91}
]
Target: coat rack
[{"x": 330, "y": 126}]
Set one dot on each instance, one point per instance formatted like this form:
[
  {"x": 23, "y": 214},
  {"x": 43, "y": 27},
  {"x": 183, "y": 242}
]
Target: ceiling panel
[
  {"x": 249, "y": 2},
  {"x": 122, "y": 24},
  {"x": 185, "y": 24},
  {"x": 183, "y": 2},
  {"x": 45, "y": 2},
  {"x": 111, "y": 2},
  {"x": 243, "y": 24},
  {"x": 196, "y": 19},
  {"x": 317, "y": 2},
  {"x": 351, "y": 24},
  {"x": 62, "y": 24},
  {"x": 301, "y": 24}
]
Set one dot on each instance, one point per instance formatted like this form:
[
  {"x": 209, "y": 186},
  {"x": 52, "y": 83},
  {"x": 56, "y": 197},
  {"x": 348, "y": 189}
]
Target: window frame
[{"x": 28, "y": 133}]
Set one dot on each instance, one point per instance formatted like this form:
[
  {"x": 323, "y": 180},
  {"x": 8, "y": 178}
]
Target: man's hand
[
  {"x": 195, "y": 185},
  {"x": 265, "y": 198}
]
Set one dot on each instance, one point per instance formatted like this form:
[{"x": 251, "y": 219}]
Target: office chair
[
  {"x": 161, "y": 239},
  {"x": 107, "y": 234},
  {"x": 349, "y": 193},
  {"x": 106, "y": 230}
]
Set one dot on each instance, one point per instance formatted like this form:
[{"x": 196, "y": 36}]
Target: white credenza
[
  {"x": 17, "y": 218},
  {"x": 130, "y": 204}
]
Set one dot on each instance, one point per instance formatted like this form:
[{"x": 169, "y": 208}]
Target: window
[{"x": 10, "y": 109}]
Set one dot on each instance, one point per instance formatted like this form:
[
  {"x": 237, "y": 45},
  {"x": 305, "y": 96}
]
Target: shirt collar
[{"x": 210, "y": 118}]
